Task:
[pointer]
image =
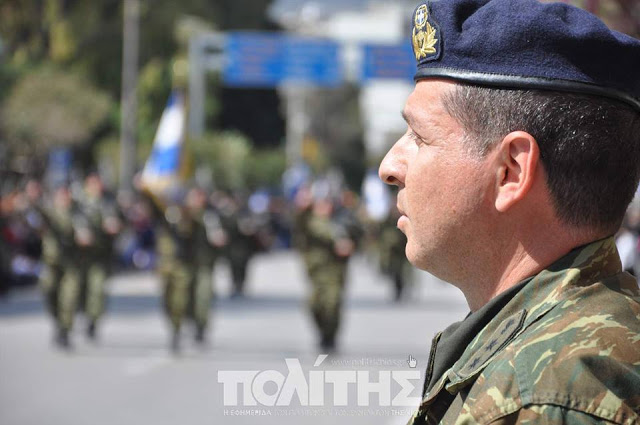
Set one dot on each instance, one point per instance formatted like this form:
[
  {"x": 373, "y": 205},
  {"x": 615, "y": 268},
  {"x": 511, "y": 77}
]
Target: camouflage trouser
[
  {"x": 201, "y": 295},
  {"x": 175, "y": 282},
  {"x": 188, "y": 291},
  {"x": 239, "y": 265},
  {"x": 326, "y": 297},
  {"x": 92, "y": 290},
  {"x": 397, "y": 273},
  {"x": 60, "y": 287}
]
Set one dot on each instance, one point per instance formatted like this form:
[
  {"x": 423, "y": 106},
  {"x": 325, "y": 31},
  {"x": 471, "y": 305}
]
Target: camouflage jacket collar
[{"x": 579, "y": 268}]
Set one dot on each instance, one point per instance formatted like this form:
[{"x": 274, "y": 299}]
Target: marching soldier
[
  {"x": 188, "y": 240},
  {"x": 326, "y": 239},
  {"x": 98, "y": 223},
  {"x": 209, "y": 239},
  {"x": 175, "y": 250},
  {"x": 60, "y": 276},
  {"x": 242, "y": 229},
  {"x": 391, "y": 244}
]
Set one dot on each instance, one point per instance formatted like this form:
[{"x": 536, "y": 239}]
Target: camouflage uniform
[
  {"x": 326, "y": 268},
  {"x": 60, "y": 276},
  {"x": 99, "y": 218},
  {"x": 564, "y": 349},
  {"x": 242, "y": 228},
  {"x": 175, "y": 250},
  {"x": 208, "y": 238},
  {"x": 185, "y": 261},
  {"x": 393, "y": 261}
]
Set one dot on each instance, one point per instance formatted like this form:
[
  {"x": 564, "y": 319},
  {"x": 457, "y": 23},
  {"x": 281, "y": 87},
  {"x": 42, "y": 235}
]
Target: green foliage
[
  {"x": 154, "y": 86},
  {"x": 266, "y": 167},
  {"x": 83, "y": 41},
  {"x": 50, "y": 108},
  {"x": 21, "y": 30},
  {"x": 188, "y": 26},
  {"x": 108, "y": 149},
  {"x": 9, "y": 74},
  {"x": 226, "y": 153},
  {"x": 234, "y": 164}
]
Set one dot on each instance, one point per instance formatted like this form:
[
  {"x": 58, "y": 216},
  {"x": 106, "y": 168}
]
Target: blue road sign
[
  {"x": 388, "y": 62},
  {"x": 268, "y": 59},
  {"x": 59, "y": 166}
]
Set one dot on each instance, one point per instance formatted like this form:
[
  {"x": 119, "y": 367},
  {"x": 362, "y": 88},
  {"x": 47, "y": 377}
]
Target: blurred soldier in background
[
  {"x": 98, "y": 223},
  {"x": 209, "y": 239},
  {"x": 60, "y": 276},
  {"x": 326, "y": 238},
  {"x": 391, "y": 245},
  {"x": 242, "y": 229},
  {"x": 188, "y": 237},
  {"x": 384, "y": 242},
  {"x": 175, "y": 253}
]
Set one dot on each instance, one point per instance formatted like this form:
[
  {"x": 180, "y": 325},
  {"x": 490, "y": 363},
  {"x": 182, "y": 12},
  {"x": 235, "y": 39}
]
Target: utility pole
[
  {"x": 128, "y": 99},
  {"x": 206, "y": 53},
  {"x": 197, "y": 88},
  {"x": 297, "y": 122}
]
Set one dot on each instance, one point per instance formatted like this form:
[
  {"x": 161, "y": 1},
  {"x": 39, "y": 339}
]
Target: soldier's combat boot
[
  {"x": 62, "y": 339},
  {"x": 328, "y": 344},
  {"x": 175, "y": 341},
  {"x": 200, "y": 335},
  {"x": 91, "y": 331}
]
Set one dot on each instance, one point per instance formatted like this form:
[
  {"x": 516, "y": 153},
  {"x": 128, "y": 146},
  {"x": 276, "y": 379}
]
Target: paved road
[{"x": 130, "y": 377}]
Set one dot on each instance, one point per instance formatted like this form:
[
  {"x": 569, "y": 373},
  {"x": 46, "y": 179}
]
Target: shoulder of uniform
[{"x": 583, "y": 354}]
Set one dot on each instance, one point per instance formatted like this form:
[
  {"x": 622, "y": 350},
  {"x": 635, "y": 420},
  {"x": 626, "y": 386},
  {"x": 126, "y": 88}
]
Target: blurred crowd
[{"x": 69, "y": 237}]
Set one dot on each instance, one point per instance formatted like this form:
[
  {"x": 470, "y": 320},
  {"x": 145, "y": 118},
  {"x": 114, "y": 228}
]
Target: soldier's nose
[{"x": 392, "y": 169}]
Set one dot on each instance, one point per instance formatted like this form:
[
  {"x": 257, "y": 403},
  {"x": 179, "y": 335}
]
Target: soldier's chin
[
  {"x": 418, "y": 257},
  {"x": 412, "y": 256}
]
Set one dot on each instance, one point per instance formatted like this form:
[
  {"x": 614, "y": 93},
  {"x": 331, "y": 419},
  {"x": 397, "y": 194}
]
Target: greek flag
[{"x": 162, "y": 169}]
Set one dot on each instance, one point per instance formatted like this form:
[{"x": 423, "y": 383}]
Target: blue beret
[{"x": 525, "y": 44}]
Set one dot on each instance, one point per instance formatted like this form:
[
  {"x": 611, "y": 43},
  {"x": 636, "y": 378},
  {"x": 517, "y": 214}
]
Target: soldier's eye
[{"x": 415, "y": 138}]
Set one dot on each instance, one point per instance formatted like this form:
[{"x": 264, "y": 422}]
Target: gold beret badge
[{"x": 424, "y": 35}]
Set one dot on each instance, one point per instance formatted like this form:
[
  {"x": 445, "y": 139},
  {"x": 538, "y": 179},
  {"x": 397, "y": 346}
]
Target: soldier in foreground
[{"x": 521, "y": 156}]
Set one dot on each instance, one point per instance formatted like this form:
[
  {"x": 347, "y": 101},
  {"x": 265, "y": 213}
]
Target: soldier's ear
[{"x": 517, "y": 159}]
